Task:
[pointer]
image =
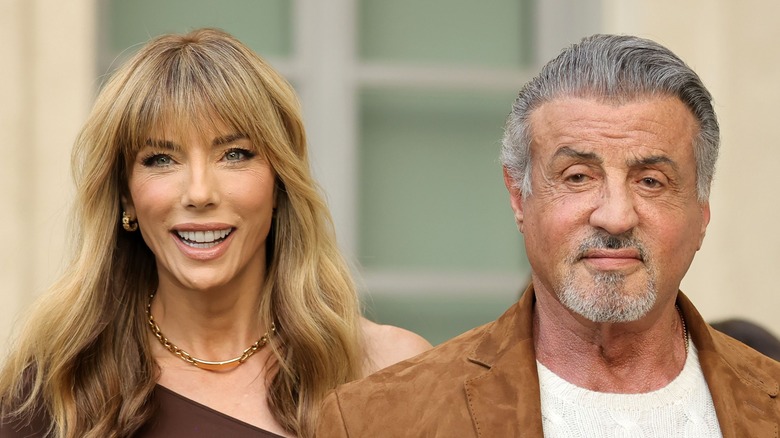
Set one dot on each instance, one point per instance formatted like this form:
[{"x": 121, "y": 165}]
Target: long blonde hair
[{"x": 83, "y": 358}]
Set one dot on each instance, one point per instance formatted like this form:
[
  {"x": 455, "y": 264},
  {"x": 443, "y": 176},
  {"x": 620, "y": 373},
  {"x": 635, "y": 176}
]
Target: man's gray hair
[{"x": 612, "y": 68}]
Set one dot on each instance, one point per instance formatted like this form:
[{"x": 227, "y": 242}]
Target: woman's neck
[{"x": 214, "y": 324}]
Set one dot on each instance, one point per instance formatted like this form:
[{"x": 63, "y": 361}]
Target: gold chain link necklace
[
  {"x": 684, "y": 328},
  {"x": 205, "y": 364}
]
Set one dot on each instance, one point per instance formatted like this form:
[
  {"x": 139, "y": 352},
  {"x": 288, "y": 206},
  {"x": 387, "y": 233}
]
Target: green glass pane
[
  {"x": 264, "y": 25},
  {"x": 495, "y": 33},
  {"x": 432, "y": 195},
  {"x": 438, "y": 318}
]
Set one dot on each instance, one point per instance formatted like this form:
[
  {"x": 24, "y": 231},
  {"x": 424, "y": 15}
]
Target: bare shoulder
[{"x": 387, "y": 344}]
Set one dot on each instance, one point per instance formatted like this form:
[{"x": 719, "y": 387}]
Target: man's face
[{"x": 613, "y": 221}]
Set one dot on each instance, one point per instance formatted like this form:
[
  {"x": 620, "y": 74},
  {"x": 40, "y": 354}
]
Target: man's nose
[{"x": 615, "y": 210}]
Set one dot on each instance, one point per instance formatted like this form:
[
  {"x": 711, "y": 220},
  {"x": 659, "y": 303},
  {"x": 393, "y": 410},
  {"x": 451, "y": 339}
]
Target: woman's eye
[
  {"x": 158, "y": 160},
  {"x": 233, "y": 155},
  {"x": 238, "y": 154}
]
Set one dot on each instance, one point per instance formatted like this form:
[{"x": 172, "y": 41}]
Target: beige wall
[
  {"x": 46, "y": 87},
  {"x": 47, "y": 84},
  {"x": 733, "y": 46}
]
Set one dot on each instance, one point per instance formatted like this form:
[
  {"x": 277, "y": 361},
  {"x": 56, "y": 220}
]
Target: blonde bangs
[{"x": 178, "y": 88}]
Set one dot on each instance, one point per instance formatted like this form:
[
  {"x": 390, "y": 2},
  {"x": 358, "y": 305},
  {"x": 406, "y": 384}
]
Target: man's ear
[
  {"x": 705, "y": 220},
  {"x": 515, "y": 199}
]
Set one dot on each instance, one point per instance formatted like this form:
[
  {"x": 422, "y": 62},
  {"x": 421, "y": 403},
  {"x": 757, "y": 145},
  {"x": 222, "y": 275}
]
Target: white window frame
[{"x": 328, "y": 75}]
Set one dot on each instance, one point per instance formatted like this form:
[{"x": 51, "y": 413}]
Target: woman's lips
[
  {"x": 204, "y": 239},
  {"x": 203, "y": 242}
]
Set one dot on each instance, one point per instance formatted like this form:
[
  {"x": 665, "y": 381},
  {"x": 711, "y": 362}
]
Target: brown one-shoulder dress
[{"x": 176, "y": 416}]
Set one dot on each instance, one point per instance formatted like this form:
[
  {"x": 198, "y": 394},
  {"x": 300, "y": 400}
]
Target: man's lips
[
  {"x": 623, "y": 253},
  {"x": 612, "y": 259}
]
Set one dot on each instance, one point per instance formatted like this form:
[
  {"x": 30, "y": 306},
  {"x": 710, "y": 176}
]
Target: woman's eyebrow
[
  {"x": 219, "y": 141},
  {"x": 172, "y": 146},
  {"x": 162, "y": 144}
]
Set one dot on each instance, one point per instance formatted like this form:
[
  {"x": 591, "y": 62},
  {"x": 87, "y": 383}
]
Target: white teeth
[{"x": 203, "y": 239}]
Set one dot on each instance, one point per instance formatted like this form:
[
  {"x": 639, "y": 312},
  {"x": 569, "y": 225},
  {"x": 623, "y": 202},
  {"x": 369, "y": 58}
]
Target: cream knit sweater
[{"x": 681, "y": 409}]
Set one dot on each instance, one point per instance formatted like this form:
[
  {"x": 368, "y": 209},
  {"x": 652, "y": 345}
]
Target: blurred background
[{"x": 404, "y": 102}]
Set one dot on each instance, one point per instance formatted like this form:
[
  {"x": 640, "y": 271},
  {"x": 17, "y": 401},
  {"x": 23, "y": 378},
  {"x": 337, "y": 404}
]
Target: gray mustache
[{"x": 602, "y": 240}]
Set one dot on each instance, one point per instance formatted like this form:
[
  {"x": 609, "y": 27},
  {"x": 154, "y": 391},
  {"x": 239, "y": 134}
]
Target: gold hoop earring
[{"x": 127, "y": 224}]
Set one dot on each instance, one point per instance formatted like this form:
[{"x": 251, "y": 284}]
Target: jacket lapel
[
  {"x": 504, "y": 401},
  {"x": 743, "y": 395}
]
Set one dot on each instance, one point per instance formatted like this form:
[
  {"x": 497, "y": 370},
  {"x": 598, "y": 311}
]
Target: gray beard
[{"x": 607, "y": 302}]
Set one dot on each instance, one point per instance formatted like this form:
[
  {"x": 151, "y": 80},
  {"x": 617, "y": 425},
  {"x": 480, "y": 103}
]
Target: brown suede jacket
[{"x": 484, "y": 384}]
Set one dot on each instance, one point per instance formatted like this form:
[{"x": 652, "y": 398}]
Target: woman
[{"x": 206, "y": 293}]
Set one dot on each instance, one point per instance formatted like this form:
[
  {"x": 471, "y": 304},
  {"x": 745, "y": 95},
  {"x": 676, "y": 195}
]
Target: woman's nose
[{"x": 201, "y": 188}]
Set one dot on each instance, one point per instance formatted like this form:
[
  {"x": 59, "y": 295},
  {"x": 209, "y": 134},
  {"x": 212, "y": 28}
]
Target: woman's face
[{"x": 204, "y": 205}]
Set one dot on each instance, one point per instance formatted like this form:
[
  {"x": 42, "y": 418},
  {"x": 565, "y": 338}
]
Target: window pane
[
  {"x": 438, "y": 317},
  {"x": 432, "y": 195},
  {"x": 264, "y": 25},
  {"x": 496, "y": 33}
]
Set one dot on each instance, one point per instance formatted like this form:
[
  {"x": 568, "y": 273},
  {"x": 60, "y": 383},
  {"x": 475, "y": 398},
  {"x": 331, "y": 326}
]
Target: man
[{"x": 608, "y": 157}]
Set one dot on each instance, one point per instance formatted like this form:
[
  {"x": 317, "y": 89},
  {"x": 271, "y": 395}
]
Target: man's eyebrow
[
  {"x": 652, "y": 161},
  {"x": 569, "y": 152},
  {"x": 225, "y": 139}
]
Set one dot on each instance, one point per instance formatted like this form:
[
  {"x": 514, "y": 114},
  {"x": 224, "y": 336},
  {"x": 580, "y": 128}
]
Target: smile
[{"x": 203, "y": 239}]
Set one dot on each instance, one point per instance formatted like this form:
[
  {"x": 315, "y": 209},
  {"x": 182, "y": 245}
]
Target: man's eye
[
  {"x": 650, "y": 182},
  {"x": 577, "y": 178}
]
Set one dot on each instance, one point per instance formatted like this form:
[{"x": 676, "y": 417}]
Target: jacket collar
[{"x": 505, "y": 399}]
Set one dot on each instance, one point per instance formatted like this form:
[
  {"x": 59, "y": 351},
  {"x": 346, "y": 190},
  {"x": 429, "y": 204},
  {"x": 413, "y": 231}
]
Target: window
[{"x": 404, "y": 102}]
